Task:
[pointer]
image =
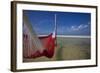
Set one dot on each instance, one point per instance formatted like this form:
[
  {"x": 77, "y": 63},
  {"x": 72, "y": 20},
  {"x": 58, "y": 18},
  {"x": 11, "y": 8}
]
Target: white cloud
[
  {"x": 74, "y": 28},
  {"x": 79, "y": 27}
]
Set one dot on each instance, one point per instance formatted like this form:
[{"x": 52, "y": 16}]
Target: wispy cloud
[
  {"x": 82, "y": 29},
  {"x": 78, "y": 27}
]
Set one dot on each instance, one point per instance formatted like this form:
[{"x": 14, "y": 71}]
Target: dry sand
[{"x": 68, "y": 49}]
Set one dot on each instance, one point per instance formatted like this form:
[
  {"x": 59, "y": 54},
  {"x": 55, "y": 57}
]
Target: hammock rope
[
  {"x": 35, "y": 40},
  {"x": 32, "y": 41}
]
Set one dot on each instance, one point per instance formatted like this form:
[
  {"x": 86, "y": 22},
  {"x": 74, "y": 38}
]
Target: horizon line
[{"x": 71, "y": 36}]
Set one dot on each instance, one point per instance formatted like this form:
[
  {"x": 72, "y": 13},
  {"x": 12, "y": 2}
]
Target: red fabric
[{"x": 49, "y": 44}]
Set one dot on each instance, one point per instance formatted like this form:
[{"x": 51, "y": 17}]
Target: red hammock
[{"x": 48, "y": 42}]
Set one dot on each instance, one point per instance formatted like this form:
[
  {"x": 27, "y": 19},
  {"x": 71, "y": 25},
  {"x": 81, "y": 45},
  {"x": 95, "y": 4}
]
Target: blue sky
[{"x": 68, "y": 23}]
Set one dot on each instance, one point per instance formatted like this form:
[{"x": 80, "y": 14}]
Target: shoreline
[{"x": 69, "y": 36}]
